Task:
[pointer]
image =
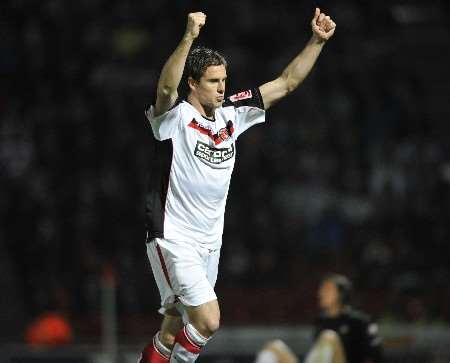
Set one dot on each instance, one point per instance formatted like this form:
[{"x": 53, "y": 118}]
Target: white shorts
[{"x": 184, "y": 272}]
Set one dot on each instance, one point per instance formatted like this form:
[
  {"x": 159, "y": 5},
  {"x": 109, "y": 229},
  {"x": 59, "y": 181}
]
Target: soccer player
[
  {"x": 194, "y": 159},
  {"x": 343, "y": 334}
]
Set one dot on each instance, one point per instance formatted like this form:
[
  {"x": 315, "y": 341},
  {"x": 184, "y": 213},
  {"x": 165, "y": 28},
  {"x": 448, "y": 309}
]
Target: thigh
[
  {"x": 187, "y": 271},
  {"x": 202, "y": 314},
  {"x": 331, "y": 339}
]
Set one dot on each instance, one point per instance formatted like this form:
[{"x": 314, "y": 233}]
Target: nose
[{"x": 221, "y": 87}]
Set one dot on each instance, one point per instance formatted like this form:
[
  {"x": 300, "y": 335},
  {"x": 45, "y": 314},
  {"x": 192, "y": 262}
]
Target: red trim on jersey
[
  {"x": 183, "y": 339},
  {"x": 230, "y": 128},
  {"x": 195, "y": 125},
  {"x": 215, "y": 137},
  {"x": 163, "y": 264}
]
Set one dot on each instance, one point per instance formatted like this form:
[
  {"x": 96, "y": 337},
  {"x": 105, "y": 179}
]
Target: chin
[{"x": 214, "y": 105}]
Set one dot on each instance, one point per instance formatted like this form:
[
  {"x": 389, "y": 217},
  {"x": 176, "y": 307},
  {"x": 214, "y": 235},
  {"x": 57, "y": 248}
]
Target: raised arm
[
  {"x": 171, "y": 74},
  {"x": 323, "y": 28}
]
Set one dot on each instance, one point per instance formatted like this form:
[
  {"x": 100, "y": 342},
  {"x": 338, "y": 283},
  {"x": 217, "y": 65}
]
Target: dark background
[{"x": 350, "y": 173}]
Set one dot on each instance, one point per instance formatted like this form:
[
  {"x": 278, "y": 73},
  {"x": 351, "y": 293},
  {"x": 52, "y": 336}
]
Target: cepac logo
[
  {"x": 213, "y": 155},
  {"x": 241, "y": 96}
]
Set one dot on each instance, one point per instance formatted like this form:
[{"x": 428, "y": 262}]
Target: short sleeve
[
  {"x": 166, "y": 125},
  {"x": 249, "y": 109}
]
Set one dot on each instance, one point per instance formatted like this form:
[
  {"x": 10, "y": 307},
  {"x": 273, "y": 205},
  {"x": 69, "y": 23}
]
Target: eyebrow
[{"x": 216, "y": 78}]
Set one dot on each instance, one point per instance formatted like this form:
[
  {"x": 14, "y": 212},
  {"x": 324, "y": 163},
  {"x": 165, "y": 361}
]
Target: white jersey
[{"x": 192, "y": 167}]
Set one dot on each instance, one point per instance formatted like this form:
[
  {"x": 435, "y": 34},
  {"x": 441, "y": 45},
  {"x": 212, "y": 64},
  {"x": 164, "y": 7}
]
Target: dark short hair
[{"x": 198, "y": 60}]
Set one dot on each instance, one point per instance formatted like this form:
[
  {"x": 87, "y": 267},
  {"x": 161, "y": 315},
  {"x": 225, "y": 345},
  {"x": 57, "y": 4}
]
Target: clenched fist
[
  {"x": 194, "y": 23},
  {"x": 323, "y": 26}
]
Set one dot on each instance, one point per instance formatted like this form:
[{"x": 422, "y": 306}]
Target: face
[
  {"x": 210, "y": 90},
  {"x": 328, "y": 295}
]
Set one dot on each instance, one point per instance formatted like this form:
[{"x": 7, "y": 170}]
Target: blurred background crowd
[{"x": 350, "y": 174}]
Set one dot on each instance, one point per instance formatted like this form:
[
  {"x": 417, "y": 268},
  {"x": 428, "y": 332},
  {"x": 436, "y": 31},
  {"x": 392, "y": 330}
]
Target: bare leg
[
  {"x": 205, "y": 318},
  {"x": 160, "y": 348},
  {"x": 190, "y": 340},
  {"x": 276, "y": 351},
  {"x": 171, "y": 325},
  {"x": 327, "y": 349}
]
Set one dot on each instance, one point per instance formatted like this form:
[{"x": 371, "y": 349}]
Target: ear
[{"x": 192, "y": 83}]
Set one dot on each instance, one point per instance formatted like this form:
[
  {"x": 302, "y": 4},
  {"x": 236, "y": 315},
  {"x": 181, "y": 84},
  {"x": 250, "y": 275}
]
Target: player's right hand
[
  {"x": 195, "y": 22},
  {"x": 323, "y": 26}
]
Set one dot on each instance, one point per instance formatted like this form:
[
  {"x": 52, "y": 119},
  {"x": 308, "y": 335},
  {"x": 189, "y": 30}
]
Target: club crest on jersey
[
  {"x": 223, "y": 134},
  {"x": 213, "y": 155},
  {"x": 241, "y": 96}
]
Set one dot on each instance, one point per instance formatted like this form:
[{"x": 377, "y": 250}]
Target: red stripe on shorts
[{"x": 163, "y": 265}]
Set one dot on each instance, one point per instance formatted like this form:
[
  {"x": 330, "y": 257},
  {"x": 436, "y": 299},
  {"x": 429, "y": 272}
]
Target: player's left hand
[{"x": 323, "y": 26}]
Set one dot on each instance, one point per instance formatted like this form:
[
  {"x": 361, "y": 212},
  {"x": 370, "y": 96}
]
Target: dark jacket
[{"x": 358, "y": 333}]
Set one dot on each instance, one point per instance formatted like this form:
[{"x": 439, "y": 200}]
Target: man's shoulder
[
  {"x": 180, "y": 103},
  {"x": 357, "y": 316},
  {"x": 150, "y": 110}
]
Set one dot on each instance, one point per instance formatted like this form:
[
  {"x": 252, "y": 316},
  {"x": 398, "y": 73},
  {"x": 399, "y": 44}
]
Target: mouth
[{"x": 219, "y": 98}]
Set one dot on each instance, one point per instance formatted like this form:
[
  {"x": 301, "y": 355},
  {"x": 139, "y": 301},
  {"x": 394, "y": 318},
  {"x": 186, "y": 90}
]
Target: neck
[
  {"x": 333, "y": 311},
  {"x": 204, "y": 110}
]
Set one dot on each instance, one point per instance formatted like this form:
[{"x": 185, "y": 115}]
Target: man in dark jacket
[{"x": 343, "y": 334}]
